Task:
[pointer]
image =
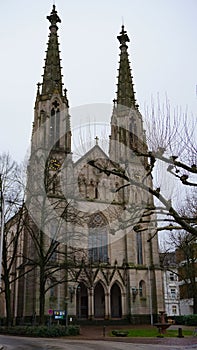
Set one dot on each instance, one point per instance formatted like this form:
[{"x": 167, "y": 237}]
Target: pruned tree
[{"x": 169, "y": 157}]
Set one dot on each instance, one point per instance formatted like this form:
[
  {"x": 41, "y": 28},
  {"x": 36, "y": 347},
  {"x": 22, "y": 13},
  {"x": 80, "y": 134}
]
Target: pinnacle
[{"x": 125, "y": 92}]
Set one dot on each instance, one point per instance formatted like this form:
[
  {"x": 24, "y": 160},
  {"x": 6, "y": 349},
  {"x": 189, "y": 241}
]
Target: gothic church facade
[{"x": 111, "y": 265}]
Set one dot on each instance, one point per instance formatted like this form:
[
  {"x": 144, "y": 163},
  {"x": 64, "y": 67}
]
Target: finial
[
  {"x": 38, "y": 89},
  {"x": 123, "y": 37},
  {"x": 65, "y": 94},
  {"x": 97, "y": 139},
  {"x": 54, "y": 18}
]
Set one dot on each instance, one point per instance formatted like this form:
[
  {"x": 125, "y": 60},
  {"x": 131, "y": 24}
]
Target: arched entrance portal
[
  {"x": 99, "y": 301},
  {"x": 82, "y": 301},
  {"x": 115, "y": 299}
]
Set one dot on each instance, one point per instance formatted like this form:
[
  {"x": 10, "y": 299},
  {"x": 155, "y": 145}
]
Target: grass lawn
[{"x": 153, "y": 332}]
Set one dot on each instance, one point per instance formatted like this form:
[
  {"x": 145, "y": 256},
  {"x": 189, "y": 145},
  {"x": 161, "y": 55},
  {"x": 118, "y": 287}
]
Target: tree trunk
[
  {"x": 7, "y": 299},
  {"x": 6, "y": 277},
  {"x": 193, "y": 286},
  {"x": 195, "y": 300},
  {"x": 42, "y": 295}
]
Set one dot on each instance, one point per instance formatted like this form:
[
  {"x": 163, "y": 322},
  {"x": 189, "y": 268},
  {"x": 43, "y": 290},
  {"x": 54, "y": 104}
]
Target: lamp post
[
  {"x": 2, "y": 224},
  {"x": 66, "y": 312}
]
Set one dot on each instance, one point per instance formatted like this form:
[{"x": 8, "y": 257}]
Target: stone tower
[{"x": 51, "y": 106}]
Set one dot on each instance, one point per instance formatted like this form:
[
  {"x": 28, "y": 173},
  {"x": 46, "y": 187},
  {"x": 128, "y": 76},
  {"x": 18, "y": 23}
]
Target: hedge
[
  {"x": 187, "y": 320},
  {"x": 41, "y": 331}
]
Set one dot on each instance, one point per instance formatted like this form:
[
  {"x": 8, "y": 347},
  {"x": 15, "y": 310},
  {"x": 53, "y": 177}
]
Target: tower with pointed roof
[
  {"x": 50, "y": 149},
  {"x": 111, "y": 268},
  {"x": 127, "y": 134},
  {"x": 51, "y": 107}
]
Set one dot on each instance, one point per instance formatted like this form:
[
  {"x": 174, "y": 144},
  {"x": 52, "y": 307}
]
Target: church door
[
  {"x": 82, "y": 301},
  {"x": 99, "y": 301},
  {"x": 115, "y": 299}
]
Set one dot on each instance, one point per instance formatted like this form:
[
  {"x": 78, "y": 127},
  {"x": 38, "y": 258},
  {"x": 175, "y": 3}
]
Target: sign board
[
  {"x": 59, "y": 314},
  {"x": 50, "y": 312}
]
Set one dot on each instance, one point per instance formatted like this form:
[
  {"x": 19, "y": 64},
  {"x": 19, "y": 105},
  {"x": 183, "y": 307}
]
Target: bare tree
[
  {"x": 169, "y": 158},
  {"x": 48, "y": 260},
  {"x": 186, "y": 251},
  {"x": 12, "y": 196}
]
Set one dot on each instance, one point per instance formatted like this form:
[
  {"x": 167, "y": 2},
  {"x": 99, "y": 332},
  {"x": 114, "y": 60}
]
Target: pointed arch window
[
  {"x": 98, "y": 239},
  {"x": 133, "y": 132},
  {"x": 139, "y": 248},
  {"x": 142, "y": 289},
  {"x": 55, "y": 127}
]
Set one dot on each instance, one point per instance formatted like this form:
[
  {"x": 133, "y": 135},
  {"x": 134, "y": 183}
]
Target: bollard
[
  {"x": 104, "y": 331},
  {"x": 180, "y": 333}
]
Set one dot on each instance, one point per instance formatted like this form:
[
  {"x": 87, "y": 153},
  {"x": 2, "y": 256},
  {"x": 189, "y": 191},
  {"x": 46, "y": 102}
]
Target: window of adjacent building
[
  {"x": 97, "y": 239},
  {"x": 173, "y": 277},
  {"x": 174, "y": 309},
  {"x": 173, "y": 293}
]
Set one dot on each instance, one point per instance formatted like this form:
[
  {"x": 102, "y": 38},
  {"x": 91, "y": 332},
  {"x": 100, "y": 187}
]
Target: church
[{"x": 88, "y": 245}]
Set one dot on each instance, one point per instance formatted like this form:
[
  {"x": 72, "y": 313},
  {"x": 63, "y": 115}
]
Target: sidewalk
[{"x": 101, "y": 333}]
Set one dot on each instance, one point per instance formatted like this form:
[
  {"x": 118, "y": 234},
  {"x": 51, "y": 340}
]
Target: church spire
[
  {"x": 52, "y": 78},
  {"x": 125, "y": 92},
  {"x": 52, "y": 119}
]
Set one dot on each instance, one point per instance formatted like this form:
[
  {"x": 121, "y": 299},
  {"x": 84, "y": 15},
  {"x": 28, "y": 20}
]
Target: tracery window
[
  {"x": 97, "y": 239},
  {"x": 55, "y": 126},
  {"x": 142, "y": 289},
  {"x": 139, "y": 248}
]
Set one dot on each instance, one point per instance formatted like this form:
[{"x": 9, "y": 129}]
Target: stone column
[
  {"x": 107, "y": 306},
  {"x": 91, "y": 303}
]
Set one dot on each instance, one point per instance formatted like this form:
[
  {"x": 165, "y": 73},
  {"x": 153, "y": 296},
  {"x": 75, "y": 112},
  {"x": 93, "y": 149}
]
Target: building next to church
[
  {"x": 171, "y": 284},
  {"x": 88, "y": 248}
]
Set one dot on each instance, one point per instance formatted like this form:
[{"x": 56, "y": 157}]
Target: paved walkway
[{"x": 99, "y": 333}]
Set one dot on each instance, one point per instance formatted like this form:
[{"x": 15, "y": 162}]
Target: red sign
[{"x": 50, "y": 312}]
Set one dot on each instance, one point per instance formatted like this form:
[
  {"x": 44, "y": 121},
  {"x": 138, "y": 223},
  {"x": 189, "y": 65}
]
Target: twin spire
[
  {"x": 125, "y": 92},
  {"x": 52, "y": 77}
]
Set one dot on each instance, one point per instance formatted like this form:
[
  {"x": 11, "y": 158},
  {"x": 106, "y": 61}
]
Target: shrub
[
  {"x": 188, "y": 320},
  {"x": 41, "y": 331},
  {"x": 179, "y": 320},
  {"x": 191, "y": 320},
  {"x": 120, "y": 333},
  {"x": 73, "y": 330}
]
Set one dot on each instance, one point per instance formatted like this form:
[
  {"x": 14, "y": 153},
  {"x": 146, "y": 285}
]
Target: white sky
[{"x": 163, "y": 55}]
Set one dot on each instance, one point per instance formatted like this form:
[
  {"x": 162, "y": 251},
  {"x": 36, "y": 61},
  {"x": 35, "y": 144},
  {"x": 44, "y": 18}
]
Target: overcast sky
[{"x": 163, "y": 55}]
